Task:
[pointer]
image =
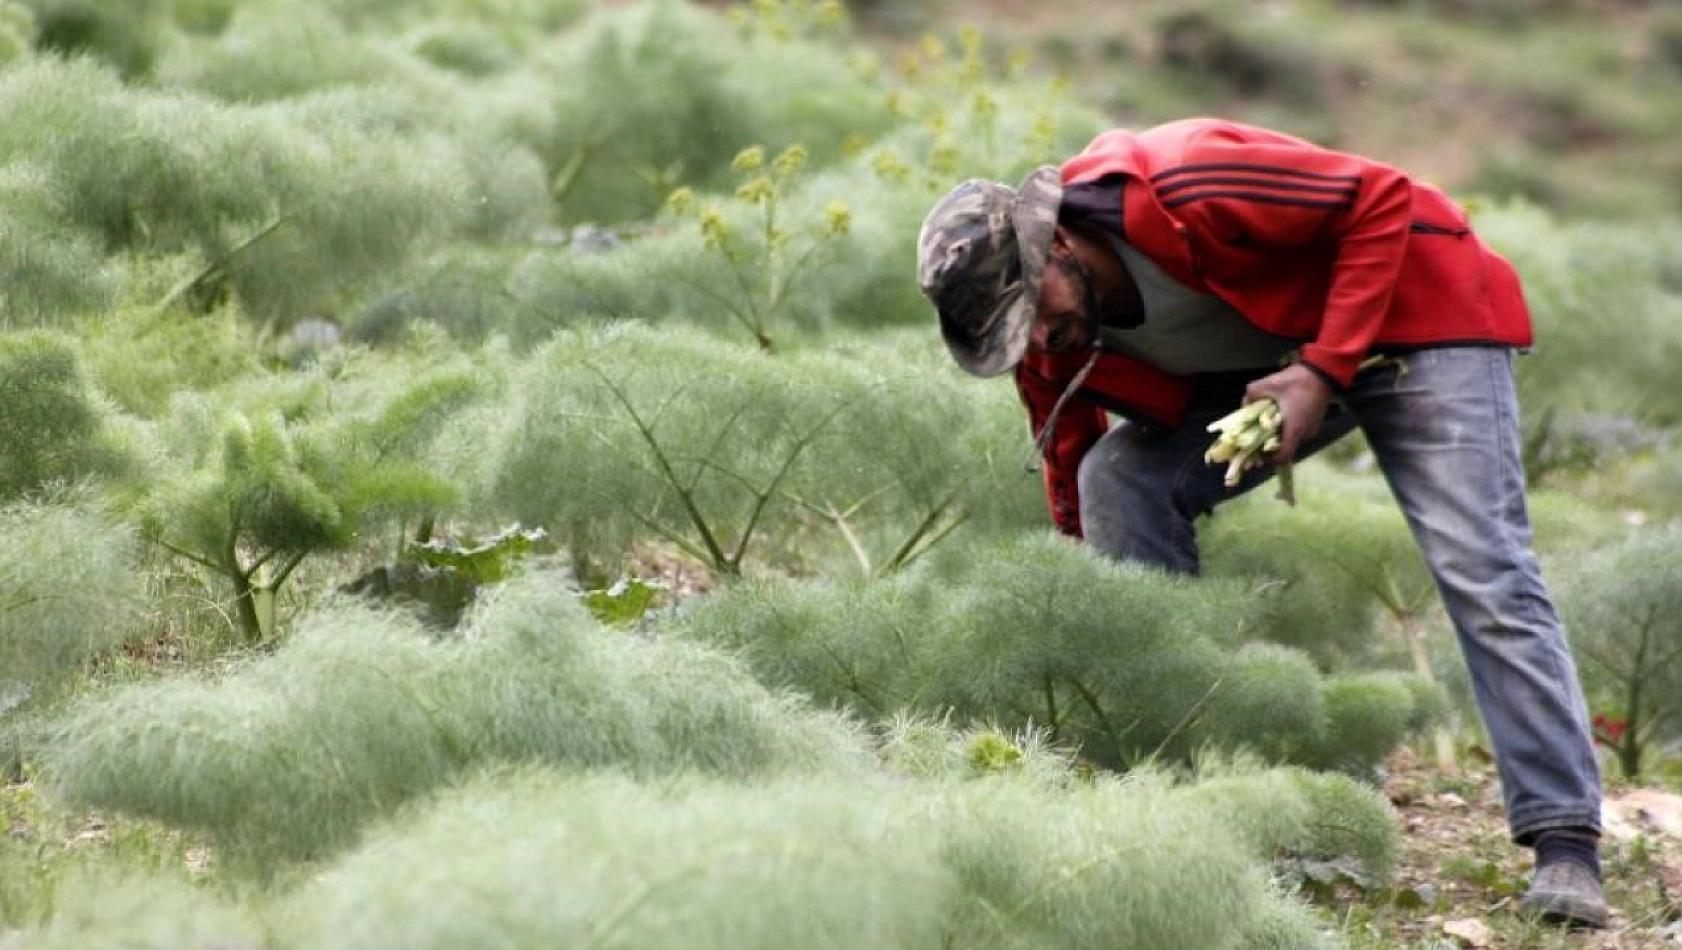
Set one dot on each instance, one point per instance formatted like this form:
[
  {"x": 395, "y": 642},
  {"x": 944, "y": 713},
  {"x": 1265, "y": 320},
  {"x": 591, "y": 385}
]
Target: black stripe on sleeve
[
  {"x": 1261, "y": 198},
  {"x": 1254, "y": 169},
  {"x": 1346, "y": 191}
]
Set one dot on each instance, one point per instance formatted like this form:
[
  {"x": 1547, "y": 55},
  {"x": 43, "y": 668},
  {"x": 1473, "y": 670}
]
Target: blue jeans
[{"x": 1445, "y": 434}]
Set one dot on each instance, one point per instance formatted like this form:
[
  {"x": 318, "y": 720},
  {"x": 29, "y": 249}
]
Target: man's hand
[{"x": 1302, "y": 397}]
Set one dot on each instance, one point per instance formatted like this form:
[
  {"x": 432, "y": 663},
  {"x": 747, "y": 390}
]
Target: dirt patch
[{"x": 1457, "y": 865}]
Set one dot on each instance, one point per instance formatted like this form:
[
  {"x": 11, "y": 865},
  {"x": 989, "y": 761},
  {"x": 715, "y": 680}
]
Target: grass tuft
[
  {"x": 534, "y": 859},
  {"x": 290, "y": 755},
  {"x": 1121, "y": 662},
  {"x": 69, "y": 587}
]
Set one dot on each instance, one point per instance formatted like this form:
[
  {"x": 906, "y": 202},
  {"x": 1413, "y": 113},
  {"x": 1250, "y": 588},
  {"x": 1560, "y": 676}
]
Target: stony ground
[{"x": 1458, "y": 879}]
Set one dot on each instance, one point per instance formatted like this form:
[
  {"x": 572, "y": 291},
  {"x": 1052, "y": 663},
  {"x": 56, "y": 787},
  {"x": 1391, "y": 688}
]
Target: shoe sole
[{"x": 1568, "y": 912}]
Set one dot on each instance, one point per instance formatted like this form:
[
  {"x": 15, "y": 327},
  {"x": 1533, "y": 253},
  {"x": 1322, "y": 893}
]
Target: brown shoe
[{"x": 1567, "y": 892}]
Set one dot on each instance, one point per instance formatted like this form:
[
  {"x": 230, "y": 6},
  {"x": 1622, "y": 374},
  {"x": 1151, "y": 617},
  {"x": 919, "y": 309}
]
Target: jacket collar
[{"x": 1145, "y": 223}]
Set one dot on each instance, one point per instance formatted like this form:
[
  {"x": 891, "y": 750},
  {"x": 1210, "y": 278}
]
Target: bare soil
[{"x": 1459, "y": 878}]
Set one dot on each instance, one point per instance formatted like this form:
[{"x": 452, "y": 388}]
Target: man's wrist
[{"x": 1332, "y": 385}]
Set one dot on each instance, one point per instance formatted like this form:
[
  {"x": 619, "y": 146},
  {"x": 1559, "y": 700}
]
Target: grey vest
[{"x": 1186, "y": 332}]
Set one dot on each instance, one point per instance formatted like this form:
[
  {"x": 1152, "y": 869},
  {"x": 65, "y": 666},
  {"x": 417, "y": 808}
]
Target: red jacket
[{"x": 1338, "y": 251}]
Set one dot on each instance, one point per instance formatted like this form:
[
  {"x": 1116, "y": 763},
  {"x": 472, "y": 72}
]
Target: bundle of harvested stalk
[
  {"x": 1251, "y": 433},
  {"x": 1246, "y": 438}
]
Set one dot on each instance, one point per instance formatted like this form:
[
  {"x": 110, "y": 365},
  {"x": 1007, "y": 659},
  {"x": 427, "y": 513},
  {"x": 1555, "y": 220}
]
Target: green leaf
[
  {"x": 1322, "y": 878},
  {"x": 490, "y": 562},
  {"x": 627, "y": 601}
]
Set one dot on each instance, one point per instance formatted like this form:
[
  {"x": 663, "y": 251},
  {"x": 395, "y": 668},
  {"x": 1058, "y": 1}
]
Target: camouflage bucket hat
[{"x": 980, "y": 257}]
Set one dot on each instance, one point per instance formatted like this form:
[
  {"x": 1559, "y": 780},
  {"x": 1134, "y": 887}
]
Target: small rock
[
  {"x": 556, "y": 237},
  {"x": 314, "y": 333},
  {"x": 1417, "y": 897},
  {"x": 590, "y": 239},
  {"x": 1470, "y": 932},
  {"x": 309, "y": 339},
  {"x": 1643, "y": 811}
]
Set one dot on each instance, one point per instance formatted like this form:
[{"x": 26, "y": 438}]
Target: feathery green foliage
[
  {"x": 634, "y": 433},
  {"x": 69, "y": 587},
  {"x": 1350, "y": 551},
  {"x": 768, "y": 258},
  {"x": 118, "y": 174},
  {"x": 961, "y": 122},
  {"x": 627, "y": 433},
  {"x": 1368, "y": 716},
  {"x": 362, "y": 199},
  {"x": 1565, "y": 525},
  {"x": 1658, "y": 482},
  {"x": 126, "y": 35},
  {"x": 1301, "y": 814},
  {"x": 554, "y": 290},
  {"x": 284, "y": 756},
  {"x": 1349, "y": 548},
  {"x": 213, "y": 171},
  {"x": 1284, "y": 924},
  {"x": 283, "y": 205},
  {"x": 1120, "y": 661},
  {"x": 464, "y": 293},
  {"x": 644, "y": 105},
  {"x": 1325, "y": 566},
  {"x": 1619, "y": 365},
  {"x": 1099, "y": 866},
  {"x": 17, "y": 31},
  {"x": 55, "y": 425},
  {"x": 142, "y": 356},
  {"x": 114, "y": 906},
  {"x": 540, "y": 860},
  {"x": 203, "y": 17},
  {"x": 850, "y": 645},
  {"x": 925, "y": 748},
  {"x": 1312, "y": 604},
  {"x": 48, "y": 267},
  {"x": 290, "y": 755},
  {"x": 659, "y": 94},
  {"x": 1273, "y": 696},
  {"x": 538, "y": 16},
  {"x": 465, "y": 47},
  {"x": 286, "y": 51},
  {"x": 259, "y": 485},
  {"x": 783, "y": 59},
  {"x": 1622, "y": 605},
  {"x": 536, "y": 859}
]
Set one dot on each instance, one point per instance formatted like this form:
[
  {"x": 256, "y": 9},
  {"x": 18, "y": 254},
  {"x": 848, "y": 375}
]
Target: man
[{"x": 1165, "y": 276}]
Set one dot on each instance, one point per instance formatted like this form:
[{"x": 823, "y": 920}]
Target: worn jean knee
[
  {"x": 1128, "y": 505},
  {"x": 1445, "y": 434},
  {"x": 1142, "y": 490}
]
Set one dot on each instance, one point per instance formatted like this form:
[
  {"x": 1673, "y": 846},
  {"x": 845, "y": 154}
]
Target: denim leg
[
  {"x": 1445, "y": 434},
  {"x": 1142, "y": 489}
]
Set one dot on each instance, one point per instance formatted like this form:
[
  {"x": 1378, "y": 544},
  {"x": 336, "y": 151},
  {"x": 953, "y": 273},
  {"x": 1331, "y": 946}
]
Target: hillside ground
[
  {"x": 1566, "y": 103},
  {"x": 1458, "y": 878}
]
